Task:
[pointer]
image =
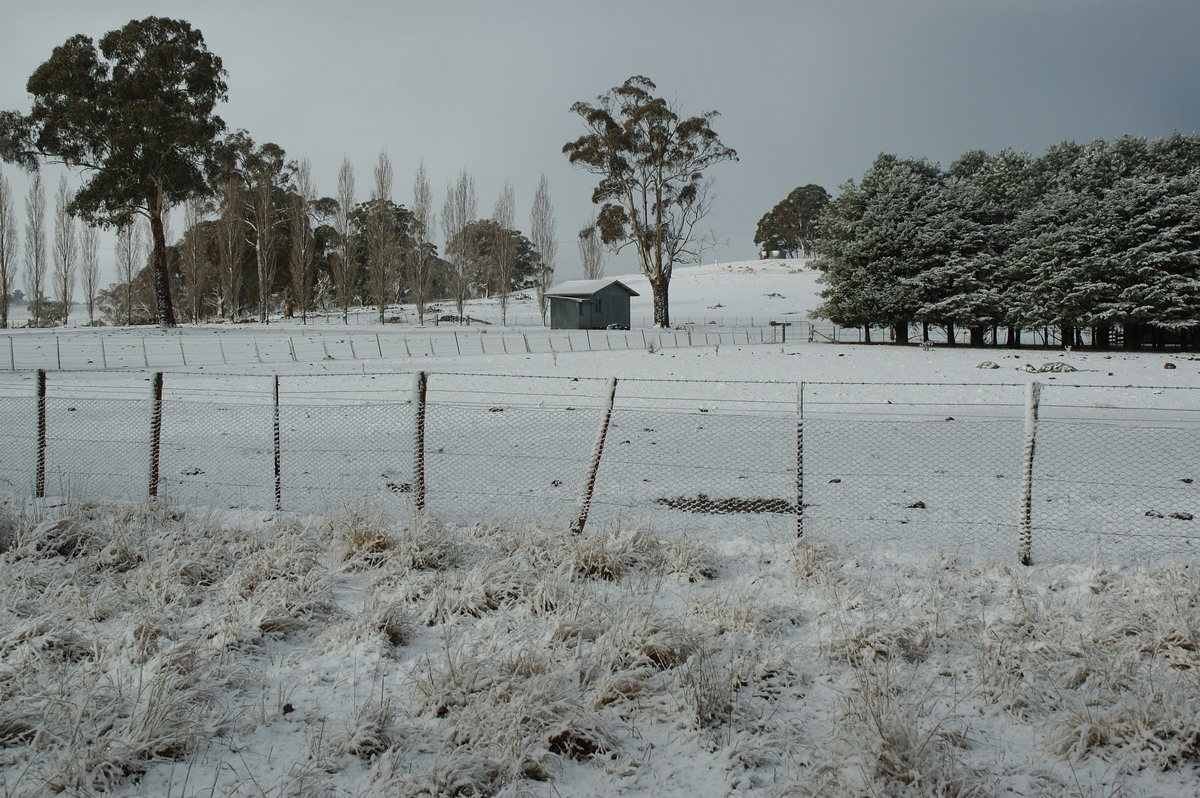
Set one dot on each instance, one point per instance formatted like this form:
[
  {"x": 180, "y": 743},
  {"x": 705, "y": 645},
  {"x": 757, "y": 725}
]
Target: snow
[{"x": 186, "y": 649}]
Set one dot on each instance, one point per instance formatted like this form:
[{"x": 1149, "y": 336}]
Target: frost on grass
[{"x": 148, "y": 649}]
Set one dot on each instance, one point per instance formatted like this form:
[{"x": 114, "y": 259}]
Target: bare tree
[
  {"x": 591, "y": 251},
  {"x": 65, "y": 249},
  {"x": 458, "y": 212},
  {"x": 130, "y": 243},
  {"x": 345, "y": 265},
  {"x": 543, "y": 232},
  {"x": 383, "y": 246},
  {"x": 230, "y": 245},
  {"x": 302, "y": 261},
  {"x": 505, "y": 256},
  {"x": 193, "y": 260},
  {"x": 8, "y": 247},
  {"x": 35, "y": 247},
  {"x": 420, "y": 244},
  {"x": 89, "y": 267}
]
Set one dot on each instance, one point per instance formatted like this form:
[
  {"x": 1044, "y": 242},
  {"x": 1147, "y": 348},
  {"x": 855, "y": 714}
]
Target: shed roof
[{"x": 585, "y": 288}]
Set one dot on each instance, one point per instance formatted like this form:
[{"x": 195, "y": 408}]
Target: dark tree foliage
[
  {"x": 137, "y": 115},
  {"x": 652, "y": 192},
  {"x": 361, "y": 216},
  {"x": 264, "y": 176},
  {"x": 481, "y": 240},
  {"x": 789, "y": 226},
  {"x": 1101, "y": 237}
]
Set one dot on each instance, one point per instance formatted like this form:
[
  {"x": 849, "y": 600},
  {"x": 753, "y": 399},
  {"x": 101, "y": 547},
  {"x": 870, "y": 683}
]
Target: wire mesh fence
[{"x": 1050, "y": 475}]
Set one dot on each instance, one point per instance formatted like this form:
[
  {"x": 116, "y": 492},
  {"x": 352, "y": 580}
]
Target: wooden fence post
[
  {"x": 40, "y": 476},
  {"x": 800, "y": 460},
  {"x": 278, "y": 450},
  {"x": 155, "y": 431},
  {"x": 1033, "y": 394},
  {"x": 420, "y": 389},
  {"x": 585, "y": 502}
]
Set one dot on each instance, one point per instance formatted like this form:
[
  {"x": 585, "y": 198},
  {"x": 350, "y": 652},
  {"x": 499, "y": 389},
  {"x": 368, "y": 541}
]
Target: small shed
[{"x": 590, "y": 305}]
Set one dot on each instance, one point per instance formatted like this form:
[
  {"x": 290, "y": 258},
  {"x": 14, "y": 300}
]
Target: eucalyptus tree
[
  {"x": 790, "y": 224},
  {"x": 265, "y": 173},
  {"x": 136, "y": 114},
  {"x": 652, "y": 191}
]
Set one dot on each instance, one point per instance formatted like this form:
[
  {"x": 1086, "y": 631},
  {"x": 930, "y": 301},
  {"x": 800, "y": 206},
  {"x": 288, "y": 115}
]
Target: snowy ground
[{"x": 187, "y": 651}]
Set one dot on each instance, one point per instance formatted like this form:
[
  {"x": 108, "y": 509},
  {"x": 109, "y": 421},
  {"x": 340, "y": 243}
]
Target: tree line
[
  {"x": 1100, "y": 238},
  {"x": 135, "y": 113}
]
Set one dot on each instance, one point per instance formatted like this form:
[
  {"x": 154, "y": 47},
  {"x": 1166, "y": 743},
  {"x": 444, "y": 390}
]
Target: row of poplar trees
[
  {"x": 264, "y": 242},
  {"x": 1097, "y": 241}
]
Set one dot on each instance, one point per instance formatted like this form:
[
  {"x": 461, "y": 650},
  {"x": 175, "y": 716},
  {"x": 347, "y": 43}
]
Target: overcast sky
[{"x": 808, "y": 92}]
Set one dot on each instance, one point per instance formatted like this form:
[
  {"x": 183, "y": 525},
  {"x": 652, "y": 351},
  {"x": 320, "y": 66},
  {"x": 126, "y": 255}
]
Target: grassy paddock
[{"x": 162, "y": 650}]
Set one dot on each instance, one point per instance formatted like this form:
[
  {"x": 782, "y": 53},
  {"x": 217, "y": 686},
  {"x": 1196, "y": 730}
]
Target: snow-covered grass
[
  {"x": 157, "y": 650},
  {"x": 175, "y": 650}
]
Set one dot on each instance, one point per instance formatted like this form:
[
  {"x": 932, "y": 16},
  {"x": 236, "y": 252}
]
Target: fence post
[
  {"x": 420, "y": 388},
  {"x": 1033, "y": 395},
  {"x": 155, "y": 431},
  {"x": 800, "y": 460},
  {"x": 278, "y": 450},
  {"x": 585, "y": 503},
  {"x": 40, "y": 476}
]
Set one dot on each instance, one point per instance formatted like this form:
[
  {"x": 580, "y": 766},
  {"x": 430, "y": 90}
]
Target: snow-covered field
[{"x": 188, "y": 650}]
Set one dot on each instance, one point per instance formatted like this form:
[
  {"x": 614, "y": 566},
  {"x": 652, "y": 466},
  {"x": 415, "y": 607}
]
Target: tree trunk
[
  {"x": 900, "y": 332},
  {"x": 162, "y": 278},
  {"x": 662, "y": 313},
  {"x": 1014, "y": 337},
  {"x": 950, "y": 335},
  {"x": 866, "y": 333},
  {"x": 978, "y": 336}
]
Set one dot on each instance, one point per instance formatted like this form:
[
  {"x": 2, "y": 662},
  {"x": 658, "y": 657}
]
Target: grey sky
[{"x": 807, "y": 91}]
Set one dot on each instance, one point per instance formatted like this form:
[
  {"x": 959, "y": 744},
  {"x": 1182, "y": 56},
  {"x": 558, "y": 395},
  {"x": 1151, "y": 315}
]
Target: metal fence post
[
  {"x": 1033, "y": 394},
  {"x": 155, "y": 431},
  {"x": 40, "y": 476},
  {"x": 585, "y": 502},
  {"x": 800, "y": 460},
  {"x": 278, "y": 450},
  {"x": 420, "y": 388}
]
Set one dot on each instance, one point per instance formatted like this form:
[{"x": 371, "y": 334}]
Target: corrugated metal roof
[{"x": 581, "y": 288}]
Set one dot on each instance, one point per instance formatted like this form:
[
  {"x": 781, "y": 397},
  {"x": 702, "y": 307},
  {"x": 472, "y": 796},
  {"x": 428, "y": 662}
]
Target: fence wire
[{"x": 870, "y": 465}]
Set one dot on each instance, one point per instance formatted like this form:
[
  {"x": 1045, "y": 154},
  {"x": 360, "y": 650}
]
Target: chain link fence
[{"x": 1054, "y": 474}]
